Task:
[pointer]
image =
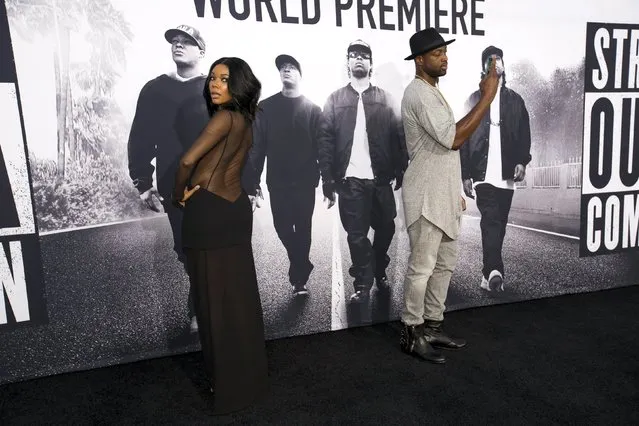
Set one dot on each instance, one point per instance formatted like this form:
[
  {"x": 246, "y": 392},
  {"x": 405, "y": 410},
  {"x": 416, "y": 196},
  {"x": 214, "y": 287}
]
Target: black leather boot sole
[{"x": 439, "y": 359}]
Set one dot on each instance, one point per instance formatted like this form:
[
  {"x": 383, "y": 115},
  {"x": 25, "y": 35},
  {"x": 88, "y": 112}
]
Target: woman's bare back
[{"x": 214, "y": 161}]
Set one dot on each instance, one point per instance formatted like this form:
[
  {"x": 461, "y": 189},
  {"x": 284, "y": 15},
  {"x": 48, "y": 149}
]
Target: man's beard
[
  {"x": 435, "y": 73},
  {"x": 359, "y": 72}
]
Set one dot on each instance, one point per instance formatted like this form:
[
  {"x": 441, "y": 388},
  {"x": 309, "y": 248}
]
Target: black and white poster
[
  {"x": 22, "y": 296},
  {"x": 110, "y": 95},
  {"x": 610, "y": 200}
]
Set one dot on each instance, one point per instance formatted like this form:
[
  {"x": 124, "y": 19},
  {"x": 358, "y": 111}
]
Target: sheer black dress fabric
[{"x": 216, "y": 231}]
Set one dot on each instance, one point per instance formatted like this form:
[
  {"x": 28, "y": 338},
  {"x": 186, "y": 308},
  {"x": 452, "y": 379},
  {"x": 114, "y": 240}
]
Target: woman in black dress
[{"x": 216, "y": 232}]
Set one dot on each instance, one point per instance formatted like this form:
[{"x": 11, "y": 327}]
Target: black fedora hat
[{"x": 424, "y": 41}]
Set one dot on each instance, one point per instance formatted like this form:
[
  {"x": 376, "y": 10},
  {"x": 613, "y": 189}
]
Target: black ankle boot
[
  {"x": 434, "y": 335},
  {"x": 413, "y": 342}
]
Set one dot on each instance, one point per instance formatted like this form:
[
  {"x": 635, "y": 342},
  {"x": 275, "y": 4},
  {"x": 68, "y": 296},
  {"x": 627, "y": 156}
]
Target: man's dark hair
[{"x": 244, "y": 88}]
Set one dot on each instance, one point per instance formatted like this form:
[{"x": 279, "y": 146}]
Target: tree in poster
[{"x": 91, "y": 128}]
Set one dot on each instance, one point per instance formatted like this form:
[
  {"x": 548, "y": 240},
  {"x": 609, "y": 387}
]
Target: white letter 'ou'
[
  {"x": 15, "y": 285},
  {"x": 601, "y": 41}
]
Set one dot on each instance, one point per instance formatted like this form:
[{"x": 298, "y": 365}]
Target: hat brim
[
  {"x": 428, "y": 49},
  {"x": 169, "y": 34},
  {"x": 359, "y": 47}
]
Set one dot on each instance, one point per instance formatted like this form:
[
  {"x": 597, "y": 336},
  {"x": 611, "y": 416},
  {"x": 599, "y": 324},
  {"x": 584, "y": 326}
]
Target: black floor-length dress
[{"x": 216, "y": 234}]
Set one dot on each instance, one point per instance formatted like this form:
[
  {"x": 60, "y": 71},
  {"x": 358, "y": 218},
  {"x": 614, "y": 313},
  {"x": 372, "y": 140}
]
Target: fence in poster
[{"x": 101, "y": 118}]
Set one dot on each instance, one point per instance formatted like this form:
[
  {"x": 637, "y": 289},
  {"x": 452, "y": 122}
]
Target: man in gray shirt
[{"x": 431, "y": 194}]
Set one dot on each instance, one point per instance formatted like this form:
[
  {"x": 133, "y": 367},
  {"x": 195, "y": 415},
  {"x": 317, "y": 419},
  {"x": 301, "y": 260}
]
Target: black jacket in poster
[
  {"x": 169, "y": 116},
  {"x": 515, "y": 137},
  {"x": 389, "y": 157},
  {"x": 285, "y": 133}
]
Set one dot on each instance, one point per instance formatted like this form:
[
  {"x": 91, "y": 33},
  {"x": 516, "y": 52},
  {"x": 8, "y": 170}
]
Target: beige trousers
[{"x": 431, "y": 264}]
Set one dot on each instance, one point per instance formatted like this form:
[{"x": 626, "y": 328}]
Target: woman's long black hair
[{"x": 244, "y": 88}]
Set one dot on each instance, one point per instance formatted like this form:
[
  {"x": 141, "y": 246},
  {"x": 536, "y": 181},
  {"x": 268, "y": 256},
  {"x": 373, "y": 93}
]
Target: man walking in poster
[
  {"x": 492, "y": 160},
  {"x": 362, "y": 150},
  {"x": 285, "y": 132},
  {"x": 170, "y": 115}
]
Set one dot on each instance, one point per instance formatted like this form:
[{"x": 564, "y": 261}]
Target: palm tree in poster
[{"x": 108, "y": 34}]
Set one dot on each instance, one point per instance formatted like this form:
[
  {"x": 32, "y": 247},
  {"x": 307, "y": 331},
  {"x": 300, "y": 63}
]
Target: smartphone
[
  {"x": 499, "y": 67},
  {"x": 487, "y": 64}
]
